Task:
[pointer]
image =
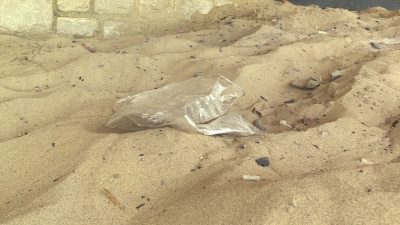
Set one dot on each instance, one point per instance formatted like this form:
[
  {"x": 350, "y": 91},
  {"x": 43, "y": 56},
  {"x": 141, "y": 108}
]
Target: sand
[{"x": 338, "y": 164}]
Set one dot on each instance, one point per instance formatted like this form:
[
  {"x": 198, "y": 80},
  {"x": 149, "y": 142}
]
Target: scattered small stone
[
  {"x": 117, "y": 175},
  {"x": 53, "y": 144},
  {"x": 290, "y": 101},
  {"x": 366, "y": 161},
  {"x": 242, "y": 146},
  {"x": 259, "y": 124},
  {"x": 251, "y": 178},
  {"x": 376, "y": 45},
  {"x": 336, "y": 75},
  {"x": 285, "y": 123},
  {"x": 309, "y": 84},
  {"x": 312, "y": 83},
  {"x": 263, "y": 161}
]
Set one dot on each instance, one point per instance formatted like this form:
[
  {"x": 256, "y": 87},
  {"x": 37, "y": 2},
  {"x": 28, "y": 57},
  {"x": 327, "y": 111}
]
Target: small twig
[{"x": 111, "y": 197}]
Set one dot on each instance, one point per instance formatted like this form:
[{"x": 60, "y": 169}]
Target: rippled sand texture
[{"x": 338, "y": 164}]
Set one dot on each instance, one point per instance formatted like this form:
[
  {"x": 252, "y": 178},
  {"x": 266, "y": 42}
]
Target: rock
[
  {"x": 336, "y": 75},
  {"x": 376, "y": 45},
  {"x": 312, "y": 83},
  {"x": 259, "y": 124},
  {"x": 366, "y": 161},
  {"x": 290, "y": 101},
  {"x": 308, "y": 84},
  {"x": 285, "y": 123},
  {"x": 263, "y": 161}
]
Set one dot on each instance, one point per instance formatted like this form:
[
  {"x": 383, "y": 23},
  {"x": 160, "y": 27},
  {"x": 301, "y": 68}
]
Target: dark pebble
[
  {"x": 290, "y": 101},
  {"x": 263, "y": 161}
]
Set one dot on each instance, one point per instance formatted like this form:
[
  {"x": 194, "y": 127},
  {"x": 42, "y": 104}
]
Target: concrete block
[
  {"x": 114, "y": 6},
  {"x": 155, "y": 8},
  {"x": 76, "y": 26},
  {"x": 114, "y": 29},
  {"x": 186, "y": 8},
  {"x": 223, "y": 2},
  {"x": 74, "y": 5},
  {"x": 26, "y": 16}
]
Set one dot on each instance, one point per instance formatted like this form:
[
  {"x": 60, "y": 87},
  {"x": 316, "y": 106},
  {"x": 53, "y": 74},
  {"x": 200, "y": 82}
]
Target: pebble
[
  {"x": 366, "y": 161},
  {"x": 336, "y": 75},
  {"x": 259, "y": 124},
  {"x": 290, "y": 101},
  {"x": 285, "y": 123},
  {"x": 376, "y": 45},
  {"x": 263, "y": 161},
  {"x": 309, "y": 84},
  {"x": 312, "y": 83}
]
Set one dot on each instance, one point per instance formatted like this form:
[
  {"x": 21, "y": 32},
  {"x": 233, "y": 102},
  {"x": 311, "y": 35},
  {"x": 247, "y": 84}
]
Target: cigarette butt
[{"x": 251, "y": 178}]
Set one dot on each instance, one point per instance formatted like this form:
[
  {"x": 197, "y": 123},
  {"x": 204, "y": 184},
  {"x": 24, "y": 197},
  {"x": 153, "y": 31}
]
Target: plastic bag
[{"x": 198, "y": 104}]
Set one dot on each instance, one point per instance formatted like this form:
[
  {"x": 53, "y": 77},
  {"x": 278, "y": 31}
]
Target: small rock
[
  {"x": 366, "y": 161},
  {"x": 309, "y": 84},
  {"x": 312, "y": 83},
  {"x": 259, "y": 124},
  {"x": 263, "y": 161},
  {"x": 242, "y": 146},
  {"x": 290, "y": 101},
  {"x": 336, "y": 75},
  {"x": 285, "y": 123},
  {"x": 376, "y": 45}
]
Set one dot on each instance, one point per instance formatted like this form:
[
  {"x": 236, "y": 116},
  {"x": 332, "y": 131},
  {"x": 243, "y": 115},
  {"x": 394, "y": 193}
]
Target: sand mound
[{"x": 335, "y": 162}]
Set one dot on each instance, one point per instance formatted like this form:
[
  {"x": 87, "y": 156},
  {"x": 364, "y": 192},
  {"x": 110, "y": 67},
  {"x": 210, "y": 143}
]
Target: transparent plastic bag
[{"x": 198, "y": 104}]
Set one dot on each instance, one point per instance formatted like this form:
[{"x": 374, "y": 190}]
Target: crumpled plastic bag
[{"x": 199, "y": 104}]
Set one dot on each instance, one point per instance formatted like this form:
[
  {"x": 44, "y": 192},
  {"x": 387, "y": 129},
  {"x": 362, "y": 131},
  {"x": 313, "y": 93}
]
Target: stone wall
[{"x": 104, "y": 18}]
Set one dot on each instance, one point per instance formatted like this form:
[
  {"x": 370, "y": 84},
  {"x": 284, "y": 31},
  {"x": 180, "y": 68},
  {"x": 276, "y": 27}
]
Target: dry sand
[{"x": 339, "y": 164}]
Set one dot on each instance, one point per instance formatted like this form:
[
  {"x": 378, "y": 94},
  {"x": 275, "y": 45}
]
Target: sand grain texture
[{"x": 60, "y": 165}]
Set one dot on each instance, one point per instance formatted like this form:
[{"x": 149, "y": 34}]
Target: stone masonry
[{"x": 104, "y": 18}]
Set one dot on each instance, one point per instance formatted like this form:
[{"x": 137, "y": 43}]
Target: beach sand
[{"x": 338, "y": 164}]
